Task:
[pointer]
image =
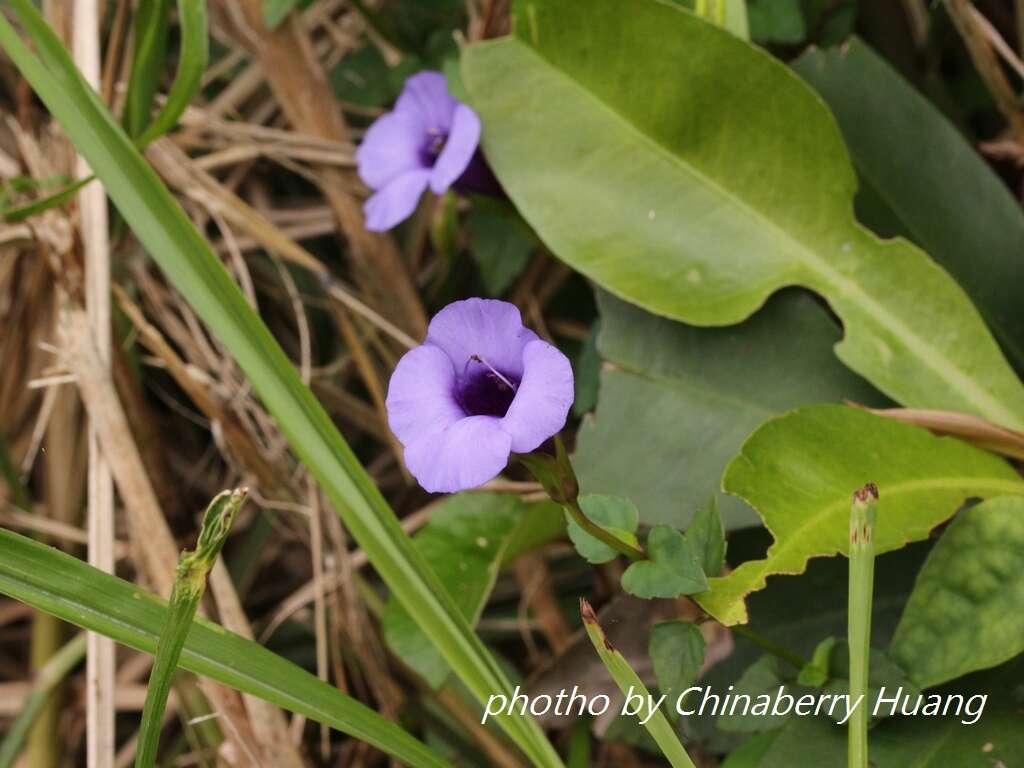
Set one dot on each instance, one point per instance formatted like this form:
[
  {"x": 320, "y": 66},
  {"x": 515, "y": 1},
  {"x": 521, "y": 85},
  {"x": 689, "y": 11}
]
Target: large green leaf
[
  {"x": 704, "y": 391},
  {"x": 967, "y": 608},
  {"x": 190, "y": 264},
  {"x": 57, "y": 583},
  {"x": 799, "y": 471},
  {"x": 906, "y": 153},
  {"x": 466, "y": 541},
  {"x": 698, "y": 176}
]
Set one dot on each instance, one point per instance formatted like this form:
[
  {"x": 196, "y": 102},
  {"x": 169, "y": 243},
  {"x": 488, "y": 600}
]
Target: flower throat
[{"x": 486, "y": 392}]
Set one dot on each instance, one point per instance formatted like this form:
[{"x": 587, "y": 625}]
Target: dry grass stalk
[
  {"x": 152, "y": 542},
  {"x": 301, "y": 89},
  {"x": 987, "y": 64},
  {"x": 92, "y": 206}
]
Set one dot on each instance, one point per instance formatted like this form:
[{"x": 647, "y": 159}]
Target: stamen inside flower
[
  {"x": 435, "y": 145},
  {"x": 486, "y": 392}
]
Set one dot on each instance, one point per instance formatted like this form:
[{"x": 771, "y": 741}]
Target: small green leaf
[
  {"x": 672, "y": 570},
  {"x": 706, "y": 535},
  {"x": 617, "y": 515},
  {"x": 677, "y": 653},
  {"x": 967, "y": 608},
  {"x": 815, "y": 673}
]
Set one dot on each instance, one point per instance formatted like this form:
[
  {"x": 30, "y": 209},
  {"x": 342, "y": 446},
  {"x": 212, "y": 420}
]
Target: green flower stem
[
  {"x": 862, "y": 576},
  {"x": 48, "y": 678},
  {"x": 558, "y": 477},
  {"x": 189, "y": 585},
  {"x": 603, "y": 535}
]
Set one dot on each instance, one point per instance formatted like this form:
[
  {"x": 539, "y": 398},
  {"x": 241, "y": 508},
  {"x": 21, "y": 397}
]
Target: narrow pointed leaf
[{"x": 629, "y": 683}]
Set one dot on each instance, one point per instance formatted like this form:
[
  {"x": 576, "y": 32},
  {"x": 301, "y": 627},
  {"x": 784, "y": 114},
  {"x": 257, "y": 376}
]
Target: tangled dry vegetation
[{"x": 264, "y": 167}]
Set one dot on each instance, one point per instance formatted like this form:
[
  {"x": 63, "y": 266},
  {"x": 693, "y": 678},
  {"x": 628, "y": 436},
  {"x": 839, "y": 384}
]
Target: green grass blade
[
  {"x": 47, "y": 678},
  {"x": 151, "y": 29},
  {"x": 170, "y": 237},
  {"x": 64, "y": 586},
  {"x": 46, "y": 203},
  {"x": 189, "y": 586},
  {"x": 628, "y": 680},
  {"x": 195, "y": 53}
]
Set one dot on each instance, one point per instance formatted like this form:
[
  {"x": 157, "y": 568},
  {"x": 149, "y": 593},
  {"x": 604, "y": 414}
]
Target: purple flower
[
  {"x": 479, "y": 388},
  {"x": 429, "y": 138}
]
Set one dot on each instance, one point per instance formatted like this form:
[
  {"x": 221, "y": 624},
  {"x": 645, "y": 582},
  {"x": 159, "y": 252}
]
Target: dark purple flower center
[
  {"x": 432, "y": 150},
  {"x": 485, "y": 391}
]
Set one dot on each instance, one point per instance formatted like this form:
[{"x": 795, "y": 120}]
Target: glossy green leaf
[
  {"x": 190, "y": 264},
  {"x": 906, "y": 153},
  {"x": 673, "y": 567},
  {"x": 800, "y": 470},
  {"x": 967, "y": 609},
  {"x": 653, "y": 193},
  {"x": 677, "y": 653},
  {"x": 614, "y": 514},
  {"x": 707, "y": 536},
  {"x": 57, "y": 583},
  {"x": 465, "y": 543},
  {"x": 704, "y": 390}
]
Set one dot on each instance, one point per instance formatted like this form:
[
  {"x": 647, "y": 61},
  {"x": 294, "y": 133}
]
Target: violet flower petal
[
  {"x": 391, "y": 147},
  {"x": 421, "y": 395},
  {"x": 426, "y": 95},
  {"x": 462, "y": 142},
  {"x": 542, "y": 402},
  {"x": 489, "y": 329},
  {"x": 465, "y": 455},
  {"x": 396, "y": 200}
]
